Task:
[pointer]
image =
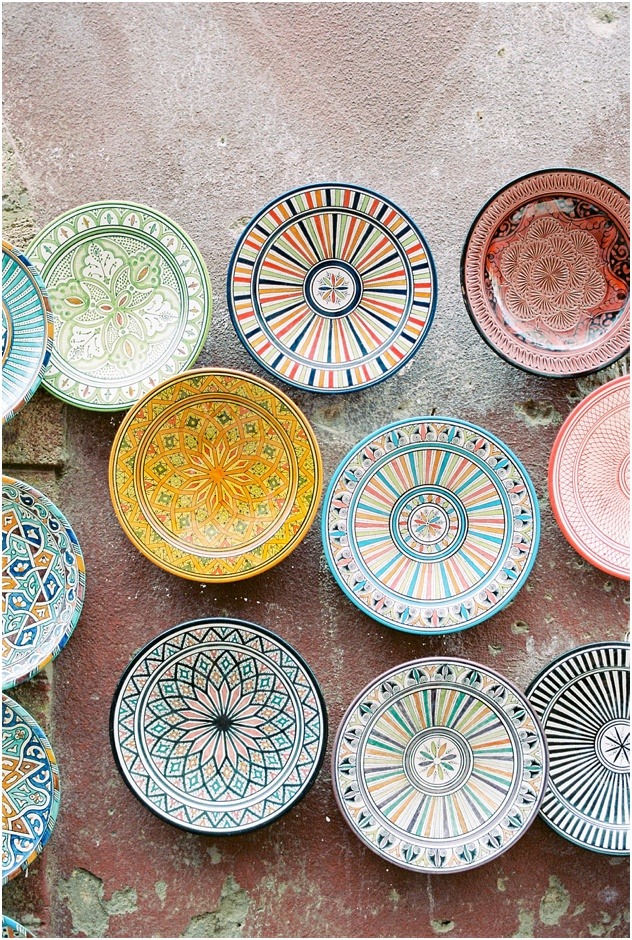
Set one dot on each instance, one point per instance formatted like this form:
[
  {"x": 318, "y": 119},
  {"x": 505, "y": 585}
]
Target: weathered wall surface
[{"x": 207, "y": 112}]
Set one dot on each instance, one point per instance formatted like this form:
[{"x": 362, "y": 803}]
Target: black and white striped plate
[{"x": 582, "y": 700}]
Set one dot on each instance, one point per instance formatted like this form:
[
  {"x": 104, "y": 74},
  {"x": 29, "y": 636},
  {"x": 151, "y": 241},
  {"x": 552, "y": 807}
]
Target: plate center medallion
[
  {"x": 333, "y": 288},
  {"x": 613, "y": 745},
  {"x": 428, "y": 524},
  {"x": 438, "y": 761}
]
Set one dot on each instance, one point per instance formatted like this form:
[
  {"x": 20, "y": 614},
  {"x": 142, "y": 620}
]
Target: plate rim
[
  {"x": 584, "y": 405},
  {"x": 479, "y": 330},
  {"x": 81, "y": 568},
  {"x": 511, "y": 595},
  {"x": 463, "y": 662},
  {"x": 318, "y": 475},
  {"x": 208, "y": 318},
  {"x": 201, "y": 621},
  {"x": 36, "y": 279},
  {"x": 431, "y": 313}
]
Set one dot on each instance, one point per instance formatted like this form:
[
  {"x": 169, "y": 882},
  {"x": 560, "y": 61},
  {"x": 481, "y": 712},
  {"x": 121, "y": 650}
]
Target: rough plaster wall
[{"x": 207, "y": 112}]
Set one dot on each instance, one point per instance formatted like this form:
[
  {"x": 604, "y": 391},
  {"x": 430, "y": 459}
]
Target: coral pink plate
[
  {"x": 545, "y": 272},
  {"x": 589, "y": 478}
]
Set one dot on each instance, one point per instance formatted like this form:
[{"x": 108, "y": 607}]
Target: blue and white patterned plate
[
  {"x": 43, "y": 581},
  {"x": 218, "y": 726},
  {"x": 11, "y": 928},
  {"x": 27, "y": 331},
  {"x": 30, "y": 789},
  {"x": 430, "y": 525},
  {"x": 583, "y": 701}
]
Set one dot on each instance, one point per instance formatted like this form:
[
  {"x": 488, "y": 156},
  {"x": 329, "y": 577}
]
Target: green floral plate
[{"x": 131, "y": 301}]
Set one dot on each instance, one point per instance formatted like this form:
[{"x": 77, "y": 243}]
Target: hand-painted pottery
[
  {"x": 430, "y": 525},
  {"x": 589, "y": 478},
  {"x": 215, "y": 476},
  {"x": 11, "y": 928},
  {"x": 131, "y": 299},
  {"x": 332, "y": 288},
  {"x": 43, "y": 581},
  {"x": 218, "y": 726},
  {"x": 439, "y": 765},
  {"x": 27, "y": 331},
  {"x": 545, "y": 272},
  {"x": 30, "y": 789},
  {"x": 583, "y": 702}
]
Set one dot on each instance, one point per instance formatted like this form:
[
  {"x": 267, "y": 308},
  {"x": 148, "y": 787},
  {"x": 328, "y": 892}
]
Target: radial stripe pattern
[
  {"x": 583, "y": 700},
  {"x": 332, "y": 288}
]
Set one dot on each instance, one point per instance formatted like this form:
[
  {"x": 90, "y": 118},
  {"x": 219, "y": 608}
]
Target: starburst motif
[
  {"x": 616, "y": 746},
  {"x": 333, "y": 288},
  {"x": 427, "y": 524},
  {"x": 438, "y": 761}
]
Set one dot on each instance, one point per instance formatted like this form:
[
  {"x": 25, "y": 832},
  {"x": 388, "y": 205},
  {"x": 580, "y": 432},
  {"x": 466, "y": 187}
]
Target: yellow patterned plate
[{"x": 215, "y": 475}]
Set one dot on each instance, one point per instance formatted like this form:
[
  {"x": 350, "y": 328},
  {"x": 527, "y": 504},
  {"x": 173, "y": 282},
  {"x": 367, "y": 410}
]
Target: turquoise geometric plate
[
  {"x": 131, "y": 299},
  {"x": 430, "y": 525},
  {"x": 218, "y": 726},
  {"x": 332, "y": 288},
  {"x": 43, "y": 581},
  {"x": 27, "y": 331},
  {"x": 11, "y": 928},
  {"x": 30, "y": 789}
]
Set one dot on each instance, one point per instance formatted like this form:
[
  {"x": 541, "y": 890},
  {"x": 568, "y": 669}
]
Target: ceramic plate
[
  {"x": 332, "y": 288},
  {"x": 546, "y": 272},
  {"x": 439, "y": 765},
  {"x": 131, "y": 299},
  {"x": 11, "y": 928},
  {"x": 218, "y": 726},
  {"x": 30, "y": 789},
  {"x": 589, "y": 478},
  {"x": 583, "y": 701},
  {"x": 43, "y": 581},
  {"x": 27, "y": 331},
  {"x": 430, "y": 525},
  {"x": 215, "y": 476}
]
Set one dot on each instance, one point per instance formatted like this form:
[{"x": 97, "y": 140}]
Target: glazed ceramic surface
[
  {"x": 27, "y": 330},
  {"x": 439, "y": 765},
  {"x": 546, "y": 272},
  {"x": 431, "y": 525},
  {"x": 583, "y": 701},
  {"x": 131, "y": 299},
  {"x": 30, "y": 789},
  {"x": 43, "y": 581},
  {"x": 332, "y": 288},
  {"x": 215, "y": 476},
  {"x": 589, "y": 478},
  {"x": 218, "y": 726},
  {"x": 11, "y": 928}
]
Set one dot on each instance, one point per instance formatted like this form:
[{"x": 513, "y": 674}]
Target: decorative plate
[
  {"x": 131, "y": 300},
  {"x": 27, "y": 331},
  {"x": 589, "y": 478},
  {"x": 439, "y": 765},
  {"x": 216, "y": 475},
  {"x": 11, "y": 928},
  {"x": 545, "y": 272},
  {"x": 430, "y": 525},
  {"x": 30, "y": 789},
  {"x": 583, "y": 701},
  {"x": 218, "y": 726},
  {"x": 332, "y": 288},
  {"x": 43, "y": 581}
]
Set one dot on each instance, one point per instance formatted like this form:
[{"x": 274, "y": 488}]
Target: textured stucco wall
[{"x": 207, "y": 112}]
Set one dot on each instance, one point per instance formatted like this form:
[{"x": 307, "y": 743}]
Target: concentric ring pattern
[
  {"x": 332, "y": 288},
  {"x": 589, "y": 478},
  {"x": 216, "y": 475},
  {"x": 431, "y": 525},
  {"x": 439, "y": 765},
  {"x": 43, "y": 581},
  {"x": 30, "y": 789},
  {"x": 131, "y": 299},
  {"x": 218, "y": 726},
  {"x": 583, "y": 701},
  {"x": 27, "y": 331}
]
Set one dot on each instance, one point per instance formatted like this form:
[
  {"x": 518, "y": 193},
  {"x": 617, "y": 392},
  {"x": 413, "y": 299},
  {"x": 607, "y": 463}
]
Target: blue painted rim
[
  {"x": 536, "y": 523},
  {"x": 431, "y": 264}
]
